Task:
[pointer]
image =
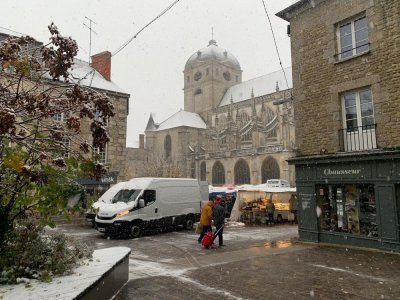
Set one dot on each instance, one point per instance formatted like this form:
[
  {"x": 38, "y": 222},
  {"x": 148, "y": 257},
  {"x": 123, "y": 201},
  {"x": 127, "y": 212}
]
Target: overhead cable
[
  {"x": 276, "y": 46},
  {"x": 143, "y": 28}
]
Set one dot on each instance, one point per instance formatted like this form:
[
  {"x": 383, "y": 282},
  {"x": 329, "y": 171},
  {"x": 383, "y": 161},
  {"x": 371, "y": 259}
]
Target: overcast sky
[{"x": 150, "y": 67}]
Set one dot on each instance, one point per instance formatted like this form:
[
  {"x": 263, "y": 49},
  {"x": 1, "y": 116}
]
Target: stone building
[
  {"x": 346, "y": 87},
  {"x": 229, "y": 131},
  {"x": 98, "y": 76}
]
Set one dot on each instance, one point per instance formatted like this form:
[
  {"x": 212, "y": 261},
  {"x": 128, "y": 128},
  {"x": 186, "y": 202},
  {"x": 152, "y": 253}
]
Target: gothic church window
[
  {"x": 167, "y": 146},
  {"x": 242, "y": 172},
  {"x": 269, "y": 169},
  {"x": 203, "y": 170},
  {"x": 218, "y": 174}
]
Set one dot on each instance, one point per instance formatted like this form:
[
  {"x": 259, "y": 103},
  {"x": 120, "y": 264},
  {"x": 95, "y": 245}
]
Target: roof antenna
[{"x": 90, "y": 35}]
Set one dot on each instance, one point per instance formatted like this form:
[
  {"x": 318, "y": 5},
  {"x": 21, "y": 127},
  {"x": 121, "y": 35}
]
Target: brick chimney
[
  {"x": 102, "y": 63},
  {"x": 141, "y": 141}
]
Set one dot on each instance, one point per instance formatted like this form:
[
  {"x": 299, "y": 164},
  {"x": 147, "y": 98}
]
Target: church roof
[
  {"x": 212, "y": 52},
  {"x": 263, "y": 85},
  {"x": 179, "y": 119}
]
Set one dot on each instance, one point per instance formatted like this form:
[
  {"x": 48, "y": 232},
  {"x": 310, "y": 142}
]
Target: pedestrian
[
  {"x": 219, "y": 220},
  {"x": 206, "y": 217},
  {"x": 270, "y": 208}
]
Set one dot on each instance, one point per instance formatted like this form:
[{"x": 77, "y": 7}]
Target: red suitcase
[{"x": 209, "y": 238}]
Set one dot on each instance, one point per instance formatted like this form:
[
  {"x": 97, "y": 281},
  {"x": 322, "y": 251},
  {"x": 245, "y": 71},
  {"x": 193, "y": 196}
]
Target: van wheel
[
  {"x": 279, "y": 219},
  {"x": 136, "y": 230},
  {"x": 189, "y": 223}
]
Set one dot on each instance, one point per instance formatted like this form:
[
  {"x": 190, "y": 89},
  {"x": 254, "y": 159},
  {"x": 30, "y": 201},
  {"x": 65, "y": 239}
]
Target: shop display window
[{"x": 347, "y": 208}]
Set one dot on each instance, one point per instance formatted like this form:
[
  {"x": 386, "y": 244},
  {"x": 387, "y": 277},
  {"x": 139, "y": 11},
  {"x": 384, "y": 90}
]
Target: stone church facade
[{"x": 229, "y": 131}]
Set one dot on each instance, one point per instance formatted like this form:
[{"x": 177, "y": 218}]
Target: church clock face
[
  {"x": 197, "y": 76},
  {"x": 227, "y": 76}
]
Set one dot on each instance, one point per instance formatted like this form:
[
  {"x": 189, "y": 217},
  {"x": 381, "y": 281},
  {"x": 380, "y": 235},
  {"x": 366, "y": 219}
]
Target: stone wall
[{"x": 319, "y": 79}]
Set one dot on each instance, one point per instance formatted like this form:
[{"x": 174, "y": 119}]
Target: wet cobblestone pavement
[{"x": 258, "y": 262}]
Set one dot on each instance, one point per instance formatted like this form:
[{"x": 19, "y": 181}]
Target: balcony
[{"x": 357, "y": 138}]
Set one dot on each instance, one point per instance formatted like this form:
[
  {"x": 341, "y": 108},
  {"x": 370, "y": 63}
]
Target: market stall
[{"x": 251, "y": 202}]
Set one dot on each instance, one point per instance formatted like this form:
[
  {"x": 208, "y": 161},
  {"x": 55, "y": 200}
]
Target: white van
[
  {"x": 105, "y": 198},
  {"x": 152, "y": 204}
]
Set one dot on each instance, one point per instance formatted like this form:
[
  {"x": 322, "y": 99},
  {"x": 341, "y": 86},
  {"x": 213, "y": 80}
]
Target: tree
[
  {"x": 159, "y": 167},
  {"x": 41, "y": 159}
]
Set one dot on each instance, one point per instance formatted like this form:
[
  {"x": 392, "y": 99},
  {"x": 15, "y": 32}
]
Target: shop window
[
  {"x": 349, "y": 208},
  {"x": 352, "y": 37}
]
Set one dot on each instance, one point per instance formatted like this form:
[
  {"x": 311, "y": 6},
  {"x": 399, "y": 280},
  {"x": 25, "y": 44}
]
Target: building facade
[
  {"x": 229, "y": 131},
  {"x": 97, "y": 76},
  {"x": 346, "y": 96}
]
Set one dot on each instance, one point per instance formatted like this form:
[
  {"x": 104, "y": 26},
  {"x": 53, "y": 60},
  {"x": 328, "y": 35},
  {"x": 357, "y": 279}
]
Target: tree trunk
[{"x": 5, "y": 226}]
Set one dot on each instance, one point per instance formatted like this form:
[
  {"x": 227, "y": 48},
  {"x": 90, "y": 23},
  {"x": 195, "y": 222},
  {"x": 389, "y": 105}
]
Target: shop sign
[
  {"x": 346, "y": 172},
  {"x": 333, "y": 172},
  {"x": 107, "y": 179}
]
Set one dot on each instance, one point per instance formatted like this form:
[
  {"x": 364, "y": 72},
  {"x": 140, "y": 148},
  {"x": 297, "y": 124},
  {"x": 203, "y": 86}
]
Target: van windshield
[{"x": 125, "y": 196}]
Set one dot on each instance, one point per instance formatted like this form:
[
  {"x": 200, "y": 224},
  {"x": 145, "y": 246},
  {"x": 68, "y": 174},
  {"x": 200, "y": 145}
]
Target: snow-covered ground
[{"x": 70, "y": 286}]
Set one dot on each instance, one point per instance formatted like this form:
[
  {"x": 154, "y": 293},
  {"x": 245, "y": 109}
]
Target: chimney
[
  {"x": 101, "y": 62},
  {"x": 141, "y": 141}
]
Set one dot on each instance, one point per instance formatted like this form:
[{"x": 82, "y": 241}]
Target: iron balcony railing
[{"x": 358, "y": 138}]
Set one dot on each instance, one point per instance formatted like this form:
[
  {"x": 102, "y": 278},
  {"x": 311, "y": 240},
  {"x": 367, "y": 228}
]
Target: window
[
  {"x": 125, "y": 195},
  {"x": 218, "y": 174},
  {"x": 167, "y": 146},
  {"x": 242, "y": 172},
  {"x": 67, "y": 145},
  {"x": 269, "y": 169},
  {"x": 359, "y": 122},
  {"x": 98, "y": 117},
  {"x": 359, "y": 109},
  {"x": 149, "y": 197},
  {"x": 198, "y": 92},
  {"x": 352, "y": 37},
  {"x": 347, "y": 208},
  {"x": 187, "y": 78},
  {"x": 58, "y": 117},
  {"x": 207, "y": 71},
  {"x": 100, "y": 154}
]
